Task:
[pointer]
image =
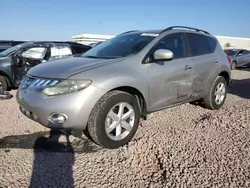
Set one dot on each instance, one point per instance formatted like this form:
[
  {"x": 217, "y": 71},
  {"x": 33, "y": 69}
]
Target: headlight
[{"x": 67, "y": 86}]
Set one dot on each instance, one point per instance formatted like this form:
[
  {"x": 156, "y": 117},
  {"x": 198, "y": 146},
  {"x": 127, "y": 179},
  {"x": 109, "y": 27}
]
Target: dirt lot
[{"x": 186, "y": 146}]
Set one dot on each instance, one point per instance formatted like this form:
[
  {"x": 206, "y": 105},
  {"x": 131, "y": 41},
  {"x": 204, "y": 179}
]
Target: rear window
[{"x": 200, "y": 44}]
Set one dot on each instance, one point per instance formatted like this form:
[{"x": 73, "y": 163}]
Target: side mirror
[{"x": 163, "y": 55}]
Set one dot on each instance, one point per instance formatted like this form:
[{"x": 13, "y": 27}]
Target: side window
[
  {"x": 59, "y": 51},
  {"x": 79, "y": 49},
  {"x": 34, "y": 53},
  {"x": 240, "y": 53},
  {"x": 199, "y": 44},
  {"x": 175, "y": 43}
]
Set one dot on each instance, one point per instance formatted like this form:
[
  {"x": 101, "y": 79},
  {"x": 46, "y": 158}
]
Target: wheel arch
[
  {"x": 138, "y": 95},
  {"x": 225, "y": 75},
  {"x": 7, "y": 78}
]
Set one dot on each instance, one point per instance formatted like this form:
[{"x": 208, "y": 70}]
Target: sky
[{"x": 60, "y": 19}]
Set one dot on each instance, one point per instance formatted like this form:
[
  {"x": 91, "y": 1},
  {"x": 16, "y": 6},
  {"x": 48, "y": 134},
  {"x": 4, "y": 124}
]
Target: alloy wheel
[
  {"x": 220, "y": 92},
  {"x": 120, "y": 121}
]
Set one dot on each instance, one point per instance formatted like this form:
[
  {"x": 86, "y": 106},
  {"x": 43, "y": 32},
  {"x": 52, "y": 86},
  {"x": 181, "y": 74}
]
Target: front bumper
[{"x": 76, "y": 106}]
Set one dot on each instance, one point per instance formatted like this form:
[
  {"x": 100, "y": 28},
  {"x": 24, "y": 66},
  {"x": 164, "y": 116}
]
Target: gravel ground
[{"x": 185, "y": 146}]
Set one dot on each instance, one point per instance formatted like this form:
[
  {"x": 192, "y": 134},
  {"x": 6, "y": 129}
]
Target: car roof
[
  {"x": 52, "y": 42},
  {"x": 171, "y": 28}
]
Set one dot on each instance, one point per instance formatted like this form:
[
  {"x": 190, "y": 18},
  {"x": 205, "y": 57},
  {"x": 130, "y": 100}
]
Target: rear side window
[
  {"x": 212, "y": 43},
  {"x": 245, "y": 52},
  {"x": 200, "y": 44}
]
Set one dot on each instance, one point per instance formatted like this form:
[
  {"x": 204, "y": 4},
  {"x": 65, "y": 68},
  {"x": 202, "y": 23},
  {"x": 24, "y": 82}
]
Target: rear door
[
  {"x": 206, "y": 64},
  {"x": 170, "y": 81}
]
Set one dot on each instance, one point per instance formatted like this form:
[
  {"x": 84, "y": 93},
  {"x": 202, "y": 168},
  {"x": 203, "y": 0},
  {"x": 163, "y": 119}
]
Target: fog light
[{"x": 58, "y": 118}]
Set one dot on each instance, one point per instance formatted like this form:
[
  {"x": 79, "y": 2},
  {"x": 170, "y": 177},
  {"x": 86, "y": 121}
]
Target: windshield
[
  {"x": 121, "y": 46},
  {"x": 231, "y": 52},
  {"x": 13, "y": 49}
]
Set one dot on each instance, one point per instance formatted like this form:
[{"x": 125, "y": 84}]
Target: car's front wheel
[
  {"x": 3, "y": 83},
  {"x": 217, "y": 95},
  {"x": 114, "y": 120},
  {"x": 233, "y": 65}
]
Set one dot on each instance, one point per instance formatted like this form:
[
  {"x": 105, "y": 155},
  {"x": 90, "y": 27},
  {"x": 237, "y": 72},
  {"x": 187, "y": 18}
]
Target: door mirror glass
[{"x": 163, "y": 55}]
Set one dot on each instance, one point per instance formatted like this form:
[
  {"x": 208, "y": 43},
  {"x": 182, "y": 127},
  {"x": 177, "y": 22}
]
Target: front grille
[{"x": 33, "y": 82}]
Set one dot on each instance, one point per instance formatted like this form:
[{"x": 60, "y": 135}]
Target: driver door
[
  {"x": 170, "y": 81},
  {"x": 27, "y": 59}
]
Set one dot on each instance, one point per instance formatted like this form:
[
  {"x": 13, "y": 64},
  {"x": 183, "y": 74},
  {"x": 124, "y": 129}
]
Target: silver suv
[{"x": 111, "y": 87}]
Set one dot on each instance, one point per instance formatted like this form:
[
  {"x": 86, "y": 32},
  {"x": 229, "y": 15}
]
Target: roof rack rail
[
  {"x": 185, "y": 27},
  {"x": 128, "y": 32}
]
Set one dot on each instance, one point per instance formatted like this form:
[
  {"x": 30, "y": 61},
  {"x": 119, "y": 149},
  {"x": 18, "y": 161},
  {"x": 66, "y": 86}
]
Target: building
[
  {"x": 225, "y": 42},
  {"x": 90, "y": 38}
]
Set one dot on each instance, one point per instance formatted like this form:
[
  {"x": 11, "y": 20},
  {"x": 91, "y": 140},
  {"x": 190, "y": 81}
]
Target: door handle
[
  {"x": 187, "y": 67},
  {"x": 216, "y": 62}
]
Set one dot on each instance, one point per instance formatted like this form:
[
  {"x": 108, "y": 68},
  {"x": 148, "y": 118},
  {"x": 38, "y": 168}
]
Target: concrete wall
[{"x": 234, "y": 42}]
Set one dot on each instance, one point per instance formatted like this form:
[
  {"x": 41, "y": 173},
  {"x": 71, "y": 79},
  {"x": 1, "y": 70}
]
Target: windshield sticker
[{"x": 150, "y": 34}]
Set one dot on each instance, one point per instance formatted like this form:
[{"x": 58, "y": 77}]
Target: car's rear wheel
[
  {"x": 3, "y": 84},
  {"x": 114, "y": 120},
  {"x": 217, "y": 94}
]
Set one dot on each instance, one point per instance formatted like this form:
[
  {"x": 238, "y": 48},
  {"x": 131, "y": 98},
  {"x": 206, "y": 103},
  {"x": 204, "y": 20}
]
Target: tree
[{"x": 227, "y": 45}]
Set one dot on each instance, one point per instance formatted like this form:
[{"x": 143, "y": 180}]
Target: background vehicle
[
  {"x": 239, "y": 57},
  {"x": 17, "y": 60},
  {"x": 231, "y": 52},
  {"x": 115, "y": 84},
  {"x": 5, "y": 44}
]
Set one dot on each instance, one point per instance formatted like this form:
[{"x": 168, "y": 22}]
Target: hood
[{"x": 64, "y": 68}]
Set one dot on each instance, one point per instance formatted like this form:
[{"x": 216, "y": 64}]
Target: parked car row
[
  {"x": 17, "y": 60},
  {"x": 238, "y": 57},
  {"x": 108, "y": 89}
]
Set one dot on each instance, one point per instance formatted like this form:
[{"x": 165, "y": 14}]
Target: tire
[
  {"x": 233, "y": 65},
  {"x": 98, "y": 120},
  {"x": 210, "y": 99},
  {"x": 3, "y": 84}
]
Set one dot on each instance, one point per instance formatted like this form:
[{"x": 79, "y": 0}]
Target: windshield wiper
[{"x": 90, "y": 56}]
